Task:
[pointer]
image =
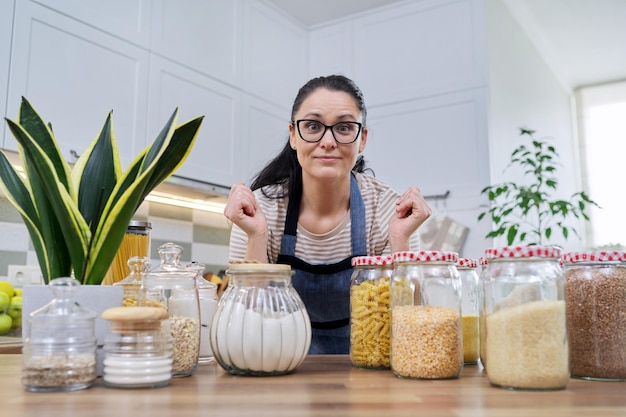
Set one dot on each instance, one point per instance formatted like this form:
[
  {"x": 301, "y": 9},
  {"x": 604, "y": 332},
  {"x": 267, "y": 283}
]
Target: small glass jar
[
  {"x": 596, "y": 314},
  {"x": 482, "y": 262},
  {"x": 470, "y": 309},
  {"x": 207, "y": 296},
  {"x": 138, "y": 265},
  {"x": 426, "y": 333},
  {"x": 525, "y": 325},
  {"x": 261, "y": 326},
  {"x": 172, "y": 286},
  {"x": 136, "y": 242},
  {"x": 59, "y": 352},
  {"x": 138, "y": 348},
  {"x": 370, "y": 311}
]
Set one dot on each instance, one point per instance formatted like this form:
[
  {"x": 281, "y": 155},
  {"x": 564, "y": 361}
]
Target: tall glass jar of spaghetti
[
  {"x": 525, "y": 324},
  {"x": 370, "y": 311},
  {"x": 426, "y": 335},
  {"x": 136, "y": 242}
]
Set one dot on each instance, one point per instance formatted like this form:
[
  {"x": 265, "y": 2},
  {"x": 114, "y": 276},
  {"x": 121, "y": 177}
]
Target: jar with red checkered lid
[
  {"x": 426, "y": 332},
  {"x": 595, "y": 285},
  {"x": 370, "y": 311},
  {"x": 470, "y": 309},
  {"x": 525, "y": 336}
]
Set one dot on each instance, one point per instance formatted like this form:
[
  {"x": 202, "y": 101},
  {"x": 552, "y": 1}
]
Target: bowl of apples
[{"x": 10, "y": 309}]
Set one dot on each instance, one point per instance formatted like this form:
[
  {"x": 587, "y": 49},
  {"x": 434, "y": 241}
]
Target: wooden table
[{"x": 321, "y": 386}]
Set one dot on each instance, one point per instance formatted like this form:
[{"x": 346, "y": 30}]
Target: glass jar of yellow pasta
[
  {"x": 426, "y": 335},
  {"x": 470, "y": 309},
  {"x": 138, "y": 265},
  {"x": 370, "y": 314},
  {"x": 136, "y": 242}
]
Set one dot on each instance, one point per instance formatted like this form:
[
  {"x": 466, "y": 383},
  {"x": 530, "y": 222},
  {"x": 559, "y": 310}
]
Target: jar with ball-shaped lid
[
  {"x": 207, "y": 297},
  {"x": 59, "y": 352},
  {"x": 137, "y": 265}
]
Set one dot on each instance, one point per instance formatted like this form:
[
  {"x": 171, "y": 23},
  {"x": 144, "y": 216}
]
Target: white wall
[{"x": 524, "y": 92}]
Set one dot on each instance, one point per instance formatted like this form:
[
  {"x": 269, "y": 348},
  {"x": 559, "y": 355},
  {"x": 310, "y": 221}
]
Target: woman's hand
[
  {"x": 243, "y": 210},
  {"x": 411, "y": 212}
]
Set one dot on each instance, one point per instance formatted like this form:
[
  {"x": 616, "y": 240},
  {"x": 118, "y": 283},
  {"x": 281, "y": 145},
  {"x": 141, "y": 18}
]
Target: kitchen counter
[{"x": 322, "y": 386}]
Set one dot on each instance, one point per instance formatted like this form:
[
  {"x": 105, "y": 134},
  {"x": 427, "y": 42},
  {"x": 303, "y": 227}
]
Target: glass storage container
[
  {"x": 595, "y": 285},
  {"x": 426, "y": 333},
  {"x": 207, "y": 296},
  {"x": 138, "y": 348},
  {"x": 525, "y": 327},
  {"x": 173, "y": 287},
  {"x": 470, "y": 309},
  {"x": 370, "y": 311},
  {"x": 138, "y": 265},
  {"x": 136, "y": 242},
  {"x": 261, "y": 326},
  {"x": 59, "y": 352}
]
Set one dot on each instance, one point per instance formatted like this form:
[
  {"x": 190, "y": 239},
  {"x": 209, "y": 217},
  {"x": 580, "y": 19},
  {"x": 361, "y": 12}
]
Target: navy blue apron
[{"x": 325, "y": 289}]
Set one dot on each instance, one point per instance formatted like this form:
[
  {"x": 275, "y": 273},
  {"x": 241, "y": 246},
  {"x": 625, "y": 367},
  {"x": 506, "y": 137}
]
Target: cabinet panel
[
  {"x": 423, "y": 48},
  {"x": 201, "y": 34},
  {"x": 214, "y": 157},
  {"x": 74, "y": 75},
  {"x": 331, "y": 50},
  {"x": 6, "y": 29},
  {"x": 275, "y": 53},
  {"x": 127, "y": 19}
]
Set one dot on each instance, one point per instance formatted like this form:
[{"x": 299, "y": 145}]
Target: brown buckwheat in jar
[
  {"x": 426, "y": 335},
  {"x": 370, "y": 311},
  {"x": 596, "y": 314}
]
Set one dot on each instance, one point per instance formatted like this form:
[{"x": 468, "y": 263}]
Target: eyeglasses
[{"x": 313, "y": 131}]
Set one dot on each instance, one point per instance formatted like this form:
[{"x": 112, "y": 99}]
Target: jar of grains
[
  {"x": 261, "y": 326},
  {"x": 138, "y": 348},
  {"x": 426, "y": 335},
  {"x": 524, "y": 309},
  {"x": 595, "y": 285},
  {"x": 173, "y": 287},
  {"x": 470, "y": 309},
  {"x": 370, "y": 314},
  {"x": 59, "y": 352},
  {"x": 482, "y": 266}
]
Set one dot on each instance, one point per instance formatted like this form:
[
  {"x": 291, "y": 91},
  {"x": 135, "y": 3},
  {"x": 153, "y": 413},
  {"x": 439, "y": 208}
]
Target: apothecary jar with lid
[{"x": 261, "y": 326}]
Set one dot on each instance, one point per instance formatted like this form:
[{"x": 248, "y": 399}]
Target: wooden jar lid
[{"x": 135, "y": 318}]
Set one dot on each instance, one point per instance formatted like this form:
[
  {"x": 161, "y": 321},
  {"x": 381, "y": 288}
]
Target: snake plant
[{"x": 77, "y": 216}]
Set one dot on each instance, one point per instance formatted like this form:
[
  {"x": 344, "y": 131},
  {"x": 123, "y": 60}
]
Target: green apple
[
  {"x": 15, "y": 308},
  {"x": 5, "y": 302},
  {"x": 18, "y": 292},
  {"x": 5, "y": 323},
  {"x": 7, "y": 288}
]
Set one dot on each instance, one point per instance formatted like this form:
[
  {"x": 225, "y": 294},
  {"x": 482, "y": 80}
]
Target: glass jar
[
  {"x": 261, "y": 326},
  {"x": 525, "y": 327},
  {"x": 596, "y": 306},
  {"x": 426, "y": 333},
  {"x": 136, "y": 242},
  {"x": 470, "y": 309},
  {"x": 138, "y": 348},
  {"x": 138, "y": 265},
  {"x": 482, "y": 262},
  {"x": 370, "y": 311},
  {"x": 207, "y": 296},
  {"x": 173, "y": 287},
  {"x": 59, "y": 352}
]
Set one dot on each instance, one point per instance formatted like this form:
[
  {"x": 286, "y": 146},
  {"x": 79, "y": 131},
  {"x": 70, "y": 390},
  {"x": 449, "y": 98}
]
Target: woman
[{"x": 314, "y": 209}]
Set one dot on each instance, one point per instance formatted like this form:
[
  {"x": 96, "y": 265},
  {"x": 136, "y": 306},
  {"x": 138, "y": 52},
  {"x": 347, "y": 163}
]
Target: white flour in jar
[{"x": 251, "y": 341}]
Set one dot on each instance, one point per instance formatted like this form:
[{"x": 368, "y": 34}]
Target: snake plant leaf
[
  {"x": 95, "y": 173},
  {"x": 58, "y": 212}
]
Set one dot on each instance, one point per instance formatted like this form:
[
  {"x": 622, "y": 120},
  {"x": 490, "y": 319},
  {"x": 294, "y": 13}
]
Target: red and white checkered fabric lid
[
  {"x": 372, "y": 260},
  {"x": 483, "y": 261},
  {"x": 594, "y": 256},
  {"x": 523, "y": 252},
  {"x": 466, "y": 263},
  {"x": 425, "y": 256}
]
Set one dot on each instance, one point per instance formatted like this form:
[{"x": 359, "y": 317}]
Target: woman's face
[{"x": 327, "y": 159}]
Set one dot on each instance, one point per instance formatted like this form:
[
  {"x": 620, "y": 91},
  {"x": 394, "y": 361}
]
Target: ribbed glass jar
[
  {"x": 596, "y": 314},
  {"x": 370, "y": 311},
  {"x": 261, "y": 326},
  {"x": 525, "y": 325},
  {"x": 426, "y": 333}
]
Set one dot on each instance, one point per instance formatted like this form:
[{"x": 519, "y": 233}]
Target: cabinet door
[
  {"x": 6, "y": 29},
  {"x": 74, "y": 75},
  {"x": 215, "y": 157}
]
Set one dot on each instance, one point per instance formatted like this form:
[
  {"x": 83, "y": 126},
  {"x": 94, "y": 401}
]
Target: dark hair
[{"x": 284, "y": 168}]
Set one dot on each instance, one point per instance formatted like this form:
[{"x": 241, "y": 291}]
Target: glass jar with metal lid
[
  {"x": 470, "y": 309},
  {"x": 136, "y": 242},
  {"x": 370, "y": 311},
  {"x": 596, "y": 314},
  {"x": 426, "y": 335},
  {"x": 525, "y": 326},
  {"x": 261, "y": 326}
]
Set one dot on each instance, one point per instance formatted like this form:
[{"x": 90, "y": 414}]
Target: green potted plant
[
  {"x": 77, "y": 216},
  {"x": 529, "y": 214}
]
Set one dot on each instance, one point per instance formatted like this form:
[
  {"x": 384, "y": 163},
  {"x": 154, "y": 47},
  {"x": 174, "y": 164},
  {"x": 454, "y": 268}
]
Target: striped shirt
[{"x": 379, "y": 200}]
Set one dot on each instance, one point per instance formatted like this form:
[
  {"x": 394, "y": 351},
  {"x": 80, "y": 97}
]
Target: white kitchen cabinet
[
  {"x": 6, "y": 29},
  {"x": 74, "y": 75}
]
